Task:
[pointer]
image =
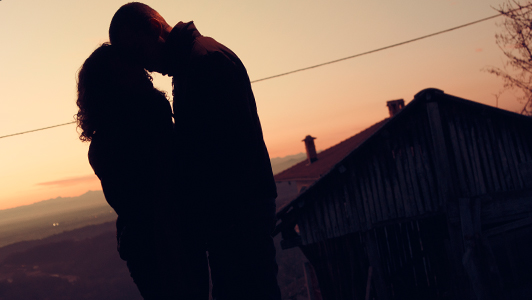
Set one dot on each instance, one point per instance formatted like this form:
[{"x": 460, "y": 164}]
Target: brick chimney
[
  {"x": 394, "y": 106},
  {"x": 311, "y": 149}
]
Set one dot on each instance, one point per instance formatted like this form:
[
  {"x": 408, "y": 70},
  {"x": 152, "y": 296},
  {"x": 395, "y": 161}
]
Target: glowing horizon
[{"x": 41, "y": 57}]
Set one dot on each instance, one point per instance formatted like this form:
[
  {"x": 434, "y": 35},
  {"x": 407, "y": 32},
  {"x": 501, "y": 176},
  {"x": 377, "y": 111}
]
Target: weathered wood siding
[
  {"x": 392, "y": 176},
  {"x": 411, "y": 262},
  {"x": 488, "y": 152},
  {"x": 413, "y": 166}
]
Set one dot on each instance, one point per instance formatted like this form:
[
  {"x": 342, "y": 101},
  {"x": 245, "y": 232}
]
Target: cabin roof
[{"x": 328, "y": 158}]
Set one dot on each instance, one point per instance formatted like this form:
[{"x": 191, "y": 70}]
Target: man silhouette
[{"x": 226, "y": 191}]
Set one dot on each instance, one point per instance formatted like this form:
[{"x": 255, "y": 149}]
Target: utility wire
[
  {"x": 4, "y": 136},
  {"x": 315, "y": 66},
  {"x": 379, "y": 49}
]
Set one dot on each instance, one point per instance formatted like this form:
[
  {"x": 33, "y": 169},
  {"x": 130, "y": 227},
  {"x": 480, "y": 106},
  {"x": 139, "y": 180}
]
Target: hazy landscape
[
  {"x": 53, "y": 216},
  {"x": 65, "y": 248},
  {"x": 280, "y": 164},
  {"x": 80, "y": 264}
]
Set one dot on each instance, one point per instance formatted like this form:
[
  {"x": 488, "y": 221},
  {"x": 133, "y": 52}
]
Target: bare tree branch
[{"x": 515, "y": 42}]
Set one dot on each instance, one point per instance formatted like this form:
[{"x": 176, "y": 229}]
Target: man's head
[{"x": 140, "y": 31}]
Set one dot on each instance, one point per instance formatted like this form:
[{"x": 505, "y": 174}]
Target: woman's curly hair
[{"x": 101, "y": 90}]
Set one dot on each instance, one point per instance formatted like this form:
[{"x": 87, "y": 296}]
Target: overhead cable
[
  {"x": 315, "y": 66},
  {"x": 377, "y": 50},
  {"x": 38, "y": 129}
]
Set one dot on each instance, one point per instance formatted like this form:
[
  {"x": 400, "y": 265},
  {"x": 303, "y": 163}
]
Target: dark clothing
[
  {"x": 130, "y": 154},
  {"x": 241, "y": 254},
  {"x": 225, "y": 177},
  {"x": 219, "y": 136}
]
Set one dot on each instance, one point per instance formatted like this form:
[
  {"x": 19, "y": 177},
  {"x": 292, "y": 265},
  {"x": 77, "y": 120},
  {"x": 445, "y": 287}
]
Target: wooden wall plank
[
  {"x": 515, "y": 136},
  {"x": 350, "y": 207},
  {"x": 379, "y": 184},
  {"x": 498, "y": 149},
  {"x": 458, "y": 163},
  {"x": 492, "y": 158},
  {"x": 493, "y": 143},
  {"x": 375, "y": 262},
  {"x": 374, "y": 190},
  {"x": 413, "y": 181},
  {"x": 356, "y": 195},
  {"x": 323, "y": 211},
  {"x": 431, "y": 180},
  {"x": 308, "y": 212},
  {"x": 420, "y": 171},
  {"x": 524, "y": 137},
  {"x": 471, "y": 142},
  {"x": 383, "y": 165},
  {"x": 471, "y": 179},
  {"x": 441, "y": 160},
  {"x": 369, "y": 197},
  {"x": 512, "y": 158},
  {"x": 322, "y": 216},
  {"x": 342, "y": 207},
  {"x": 368, "y": 206},
  {"x": 405, "y": 194},
  {"x": 333, "y": 216},
  {"x": 329, "y": 201},
  {"x": 304, "y": 226},
  {"x": 398, "y": 196},
  {"x": 470, "y": 152},
  {"x": 316, "y": 221},
  {"x": 337, "y": 215},
  {"x": 428, "y": 155},
  {"x": 486, "y": 162},
  {"x": 360, "y": 206}
]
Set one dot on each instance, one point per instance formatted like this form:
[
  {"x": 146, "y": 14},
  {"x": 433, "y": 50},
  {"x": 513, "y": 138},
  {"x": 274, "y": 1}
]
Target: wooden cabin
[{"x": 434, "y": 202}]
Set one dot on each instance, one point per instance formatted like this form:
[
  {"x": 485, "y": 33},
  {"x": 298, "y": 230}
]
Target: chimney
[
  {"x": 311, "y": 149},
  {"x": 394, "y": 106}
]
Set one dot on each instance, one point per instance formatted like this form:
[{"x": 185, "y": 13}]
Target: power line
[
  {"x": 315, "y": 66},
  {"x": 379, "y": 49},
  {"x": 4, "y": 136}
]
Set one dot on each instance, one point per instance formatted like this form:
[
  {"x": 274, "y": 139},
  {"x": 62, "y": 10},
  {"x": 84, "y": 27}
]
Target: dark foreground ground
[{"x": 84, "y": 264}]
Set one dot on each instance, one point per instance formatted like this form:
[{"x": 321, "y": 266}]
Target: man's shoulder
[{"x": 208, "y": 49}]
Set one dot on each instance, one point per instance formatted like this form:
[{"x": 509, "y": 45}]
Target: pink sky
[{"x": 44, "y": 44}]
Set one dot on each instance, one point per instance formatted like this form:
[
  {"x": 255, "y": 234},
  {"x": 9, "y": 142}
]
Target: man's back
[
  {"x": 226, "y": 182},
  {"x": 219, "y": 136}
]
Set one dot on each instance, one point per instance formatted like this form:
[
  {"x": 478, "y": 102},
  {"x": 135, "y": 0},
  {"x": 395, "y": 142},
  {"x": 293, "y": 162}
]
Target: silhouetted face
[
  {"x": 146, "y": 50},
  {"x": 137, "y": 30},
  {"x": 128, "y": 76}
]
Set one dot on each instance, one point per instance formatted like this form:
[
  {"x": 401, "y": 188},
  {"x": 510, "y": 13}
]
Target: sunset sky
[{"x": 45, "y": 42}]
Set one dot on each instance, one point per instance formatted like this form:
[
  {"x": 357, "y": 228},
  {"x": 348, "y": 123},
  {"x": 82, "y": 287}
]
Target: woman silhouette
[{"x": 129, "y": 126}]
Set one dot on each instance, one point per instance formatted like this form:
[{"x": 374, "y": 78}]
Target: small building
[{"x": 434, "y": 202}]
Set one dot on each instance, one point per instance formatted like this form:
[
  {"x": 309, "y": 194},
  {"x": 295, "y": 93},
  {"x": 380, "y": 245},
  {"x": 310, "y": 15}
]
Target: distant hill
[
  {"x": 53, "y": 216},
  {"x": 84, "y": 264},
  {"x": 52, "y": 206},
  {"x": 65, "y": 248},
  {"x": 74, "y": 235},
  {"x": 64, "y": 268},
  {"x": 280, "y": 164},
  {"x": 77, "y": 258}
]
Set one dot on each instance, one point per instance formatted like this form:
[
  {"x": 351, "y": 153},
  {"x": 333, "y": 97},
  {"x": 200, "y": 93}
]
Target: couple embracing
[{"x": 192, "y": 187}]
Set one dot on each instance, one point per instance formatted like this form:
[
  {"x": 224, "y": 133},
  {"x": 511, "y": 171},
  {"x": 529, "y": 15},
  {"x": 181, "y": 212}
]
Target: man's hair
[{"x": 129, "y": 20}]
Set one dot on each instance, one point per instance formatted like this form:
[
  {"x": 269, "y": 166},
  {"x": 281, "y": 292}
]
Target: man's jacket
[{"x": 220, "y": 147}]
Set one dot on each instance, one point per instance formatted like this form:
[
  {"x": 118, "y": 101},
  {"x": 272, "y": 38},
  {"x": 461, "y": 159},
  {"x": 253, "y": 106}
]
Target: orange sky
[{"x": 45, "y": 42}]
